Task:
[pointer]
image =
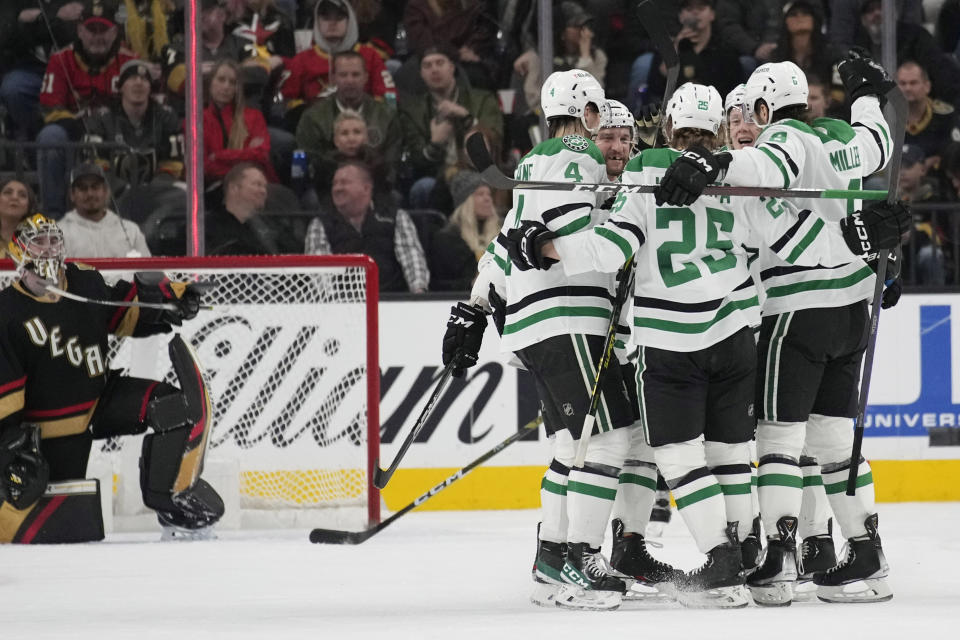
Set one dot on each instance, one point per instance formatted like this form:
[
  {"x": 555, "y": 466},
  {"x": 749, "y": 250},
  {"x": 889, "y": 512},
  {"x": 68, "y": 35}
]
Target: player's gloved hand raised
[
  {"x": 862, "y": 76},
  {"x": 879, "y": 225},
  {"x": 891, "y": 294},
  {"x": 24, "y": 472},
  {"x": 184, "y": 296},
  {"x": 648, "y": 124},
  {"x": 689, "y": 175},
  {"x": 464, "y": 335},
  {"x": 525, "y": 245}
]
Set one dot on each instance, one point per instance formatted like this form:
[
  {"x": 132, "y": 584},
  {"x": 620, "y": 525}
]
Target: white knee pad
[
  {"x": 639, "y": 450},
  {"x": 829, "y": 439},
  {"x": 780, "y": 438},
  {"x": 678, "y": 459},
  {"x": 564, "y": 449},
  {"x": 722, "y": 453},
  {"x": 608, "y": 448}
]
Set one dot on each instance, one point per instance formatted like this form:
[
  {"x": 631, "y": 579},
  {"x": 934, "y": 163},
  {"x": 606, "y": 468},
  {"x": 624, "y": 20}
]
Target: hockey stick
[
  {"x": 333, "y": 536},
  {"x": 382, "y": 476},
  {"x": 663, "y": 44},
  {"x": 165, "y": 306},
  {"x": 899, "y": 104},
  {"x": 477, "y": 150}
]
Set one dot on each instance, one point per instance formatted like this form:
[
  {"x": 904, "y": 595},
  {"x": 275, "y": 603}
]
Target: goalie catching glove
[
  {"x": 464, "y": 335},
  {"x": 184, "y": 296},
  {"x": 878, "y": 226},
  {"x": 689, "y": 175},
  {"x": 25, "y": 472},
  {"x": 525, "y": 245}
]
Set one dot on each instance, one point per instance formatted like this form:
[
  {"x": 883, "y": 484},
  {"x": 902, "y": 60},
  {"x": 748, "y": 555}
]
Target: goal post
[{"x": 290, "y": 357}]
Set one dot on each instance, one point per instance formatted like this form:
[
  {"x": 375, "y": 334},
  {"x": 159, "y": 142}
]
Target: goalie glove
[
  {"x": 25, "y": 473},
  {"x": 525, "y": 245},
  {"x": 689, "y": 175},
  {"x": 464, "y": 336},
  {"x": 878, "y": 226},
  {"x": 157, "y": 288},
  {"x": 862, "y": 76}
]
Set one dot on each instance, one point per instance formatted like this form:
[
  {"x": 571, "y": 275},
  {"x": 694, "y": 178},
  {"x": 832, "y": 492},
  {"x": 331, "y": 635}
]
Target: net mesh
[{"x": 284, "y": 354}]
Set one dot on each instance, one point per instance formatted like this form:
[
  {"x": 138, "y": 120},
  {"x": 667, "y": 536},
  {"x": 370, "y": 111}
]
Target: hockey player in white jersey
[
  {"x": 814, "y": 531},
  {"x": 616, "y": 139},
  {"x": 693, "y": 308},
  {"x": 556, "y": 325},
  {"x": 815, "y": 327}
]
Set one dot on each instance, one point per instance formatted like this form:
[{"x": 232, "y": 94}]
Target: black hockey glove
[
  {"x": 498, "y": 309},
  {"x": 525, "y": 245},
  {"x": 879, "y": 225},
  {"x": 689, "y": 175},
  {"x": 891, "y": 295},
  {"x": 24, "y": 471},
  {"x": 862, "y": 76},
  {"x": 648, "y": 124},
  {"x": 461, "y": 342},
  {"x": 157, "y": 288}
]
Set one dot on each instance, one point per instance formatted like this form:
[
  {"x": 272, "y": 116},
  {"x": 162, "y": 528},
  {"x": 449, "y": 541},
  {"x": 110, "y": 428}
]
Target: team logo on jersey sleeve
[{"x": 575, "y": 142}]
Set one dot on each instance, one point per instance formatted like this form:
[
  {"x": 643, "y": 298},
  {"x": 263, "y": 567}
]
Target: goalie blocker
[{"x": 170, "y": 465}]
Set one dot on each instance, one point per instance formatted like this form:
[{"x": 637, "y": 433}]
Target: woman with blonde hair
[
  {"x": 228, "y": 139},
  {"x": 17, "y": 201},
  {"x": 456, "y": 249}
]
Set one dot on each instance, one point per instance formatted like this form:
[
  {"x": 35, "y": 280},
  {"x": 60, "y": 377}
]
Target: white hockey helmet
[
  {"x": 779, "y": 84},
  {"x": 567, "y": 93},
  {"x": 695, "y": 106},
  {"x": 617, "y": 116},
  {"x": 736, "y": 98}
]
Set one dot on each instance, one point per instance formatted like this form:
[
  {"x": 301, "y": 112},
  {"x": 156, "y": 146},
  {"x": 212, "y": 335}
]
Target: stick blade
[
  {"x": 332, "y": 536},
  {"x": 380, "y": 478},
  {"x": 478, "y": 153}
]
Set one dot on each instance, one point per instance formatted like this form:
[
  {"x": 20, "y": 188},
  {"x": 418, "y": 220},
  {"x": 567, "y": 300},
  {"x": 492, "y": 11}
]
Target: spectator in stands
[
  {"x": 803, "y": 42},
  {"x": 91, "y": 229},
  {"x": 925, "y": 251},
  {"x": 146, "y": 28},
  {"x": 316, "y": 133},
  {"x": 152, "y": 131},
  {"x": 704, "y": 56},
  {"x": 462, "y": 27},
  {"x": 356, "y": 224},
  {"x": 931, "y": 124},
  {"x": 17, "y": 201},
  {"x": 269, "y": 32},
  {"x": 847, "y": 26},
  {"x": 435, "y": 124},
  {"x": 750, "y": 27},
  {"x": 79, "y": 78},
  {"x": 819, "y": 100},
  {"x": 237, "y": 226},
  {"x": 29, "y": 33},
  {"x": 377, "y": 23},
  {"x": 947, "y": 30},
  {"x": 913, "y": 43},
  {"x": 456, "y": 249},
  {"x": 227, "y": 137},
  {"x": 308, "y": 78}
]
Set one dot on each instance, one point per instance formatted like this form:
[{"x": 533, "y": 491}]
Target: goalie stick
[
  {"x": 896, "y": 99},
  {"x": 491, "y": 174},
  {"x": 333, "y": 536},
  {"x": 382, "y": 476},
  {"x": 165, "y": 306}
]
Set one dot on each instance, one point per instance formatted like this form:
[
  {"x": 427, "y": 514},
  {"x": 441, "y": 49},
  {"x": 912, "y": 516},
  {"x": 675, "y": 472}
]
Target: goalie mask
[
  {"x": 37, "y": 245},
  {"x": 695, "y": 106},
  {"x": 567, "y": 93}
]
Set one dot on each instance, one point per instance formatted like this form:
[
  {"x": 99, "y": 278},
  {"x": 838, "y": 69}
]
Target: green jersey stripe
[
  {"x": 556, "y": 312},
  {"x": 553, "y": 487},
  {"x": 805, "y": 242},
  {"x": 698, "y": 496},
  {"x": 696, "y": 327},
  {"x": 779, "y": 480},
  {"x": 839, "y": 487},
  {"x": 586, "y": 366},
  {"x": 615, "y": 238},
  {"x": 812, "y": 481},
  {"x": 574, "y": 226},
  {"x": 643, "y": 481},
  {"x": 819, "y": 285},
  {"x": 776, "y": 161},
  {"x": 735, "y": 489},
  {"x": 592, "y": 490}
]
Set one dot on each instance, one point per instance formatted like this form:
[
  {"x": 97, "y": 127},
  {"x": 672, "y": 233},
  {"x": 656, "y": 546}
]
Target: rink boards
[{"x": 913, "y": 418}]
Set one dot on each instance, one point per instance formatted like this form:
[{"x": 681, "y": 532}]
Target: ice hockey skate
[
  {"x": 816, "y": 555},
  {"x": 750, "y": 549},
  {"x": 652, "y": 579},
  {"x": 547, "y": 569},
  {"x": 862, "y": 575},
  {"x": 589, "y": 583},
  {"x": 717, "y": 584},
  {"x": 771, "y": 585}
]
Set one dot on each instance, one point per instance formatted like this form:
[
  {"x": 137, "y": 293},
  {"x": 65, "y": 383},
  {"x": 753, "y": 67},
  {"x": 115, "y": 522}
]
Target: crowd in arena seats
[{"x": 339, "y": 125}]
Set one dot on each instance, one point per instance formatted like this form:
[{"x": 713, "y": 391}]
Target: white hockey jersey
[
  {"x": 542, "y": 304},
  {"x": 693, "y": 287},
  {"x": 828, "y": 154}
]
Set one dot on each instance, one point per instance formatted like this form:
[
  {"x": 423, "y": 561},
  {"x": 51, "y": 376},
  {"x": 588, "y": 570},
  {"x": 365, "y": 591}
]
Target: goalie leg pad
[
  {"x": 67, "y": 512},
  {"x": 123, "y": 405}
]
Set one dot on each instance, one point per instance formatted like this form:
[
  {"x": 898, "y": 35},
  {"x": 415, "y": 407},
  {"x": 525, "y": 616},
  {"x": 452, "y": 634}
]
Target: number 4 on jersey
[{"x": 573, "y": 172}]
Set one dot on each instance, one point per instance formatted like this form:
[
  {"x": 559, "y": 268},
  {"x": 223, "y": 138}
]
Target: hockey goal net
[{"x": 289, "y": 352}]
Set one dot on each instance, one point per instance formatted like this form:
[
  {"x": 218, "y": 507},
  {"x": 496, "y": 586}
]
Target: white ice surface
[{"x": 449, "y": 575}]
